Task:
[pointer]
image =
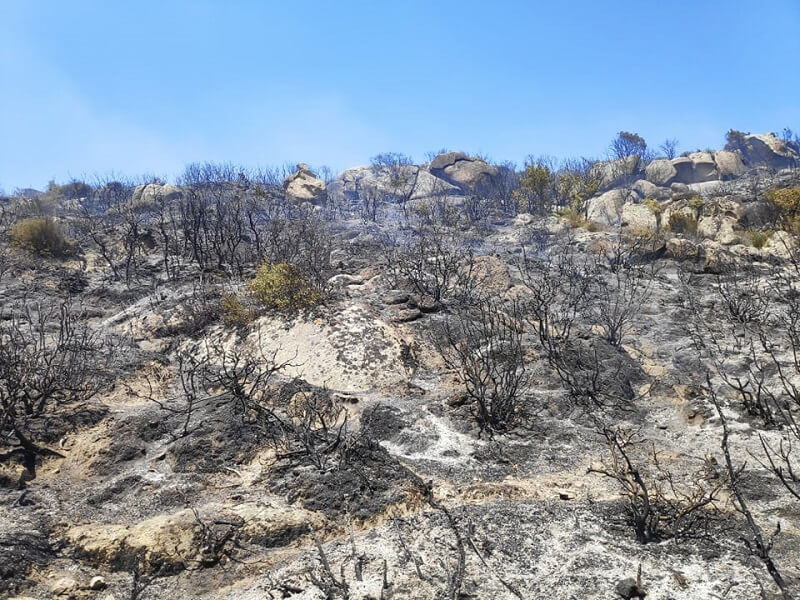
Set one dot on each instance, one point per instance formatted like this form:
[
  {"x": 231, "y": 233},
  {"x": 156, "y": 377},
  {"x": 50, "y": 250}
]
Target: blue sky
[{"x": 89, "y": 87}]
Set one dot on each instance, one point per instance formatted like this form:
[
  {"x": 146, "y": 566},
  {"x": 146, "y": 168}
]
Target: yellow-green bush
[
  {"x": 682, "y": 223},
  {"x": 281, "y": 286},
  {"x": 233, "y": 310},
  {"x": 696, "y": 204},
  {"x": 654, "y": 205},
  {"x": 641, "y": 233},
  {"x": 786, "y": 201},
  {"x": 655, "y": 208},
  {"x": 576, "y": 219},
  {"x": 757, "y": 238},
  {"x": 40, "y": 236}
]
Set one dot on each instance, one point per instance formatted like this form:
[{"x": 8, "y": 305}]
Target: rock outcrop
[
  {"x": 304, "y": 186},
  {"x": 729, "y": 164},
  {"x": 606, "y": 209},
  {"x": 661, "y": 172},
  {"x": 354, "y": 184},
  {"x": 612, "y": 173},
  {"x": 697, "y": 167},
  {"x": 638, "y": 216},
  {"x": 763, "y": 149},
  {"x": 472, "y": 175},
  {"x": 152, "y": 193},
  {"x": 645, "y": 189}
]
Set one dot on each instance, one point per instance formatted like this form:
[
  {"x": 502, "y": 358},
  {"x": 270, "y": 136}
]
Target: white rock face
[
  {"x": 304, "y": 186},
  {"x": 352, "y": 351},
  {"x": 606, "y": 209},
  {"x": 706, "y": 188}
]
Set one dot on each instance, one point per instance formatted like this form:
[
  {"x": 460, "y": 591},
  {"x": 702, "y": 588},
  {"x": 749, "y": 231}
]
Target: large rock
[
  {"x": 684, "y": 170},
  {"x": 606, "y": 209},
  {"x": 783, "y": 245},
  {"x": 353, "y": 185},
  {"x": 708, "y": 188},
  {"x": 638, "y": 216},
  {"x": 764, "y": 149},
  {"x": 680, "y": 191},
  {"x": 304, "y": 186},
  {"x": 729, "y": 164},
  {"x": 660, "y": 172},
  {"x": 153, "y": 193},
  {"x": 612, "y": 173},
  {"x": 470, "y": 174},
  {"x": 719, "y": 228},
  {"x": 683, "y": 249},
  {"x": 645, "y": 189},
  {"x": 695, "y": 168},
  {"x": 704, "y": 167}
]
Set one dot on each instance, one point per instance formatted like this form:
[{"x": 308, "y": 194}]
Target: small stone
[
  {"x": 405, "y": 315},
  {"x": 97, "y": 583},
  {"x": 343, "y": 279},
  {"x": 628, "y": 588},
  {"x": 523, "y": 219},
  {"x": 345, "y": 398},
  {"x": 427, "y": 304},
  {"x": 64, "y": 586},
  {"x": 395, "y": 297}
]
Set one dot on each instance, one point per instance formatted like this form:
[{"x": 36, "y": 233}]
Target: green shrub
[
  {"x": 696, "y": 204},
  {"x": 653, "y": 204},
  {"x": 281, "y": 286},
  {"x": 535, "y": 187},
  {"x": 757, "y": 238},
  {"x": 575, "y": 219},
  {"x": 655, "y": 208},
  {"x": 40, "y": 236},
  {"x": 233, "y": 310},
  {"x": 682, "y": 223},
  {"x": 575, "y": 187}
]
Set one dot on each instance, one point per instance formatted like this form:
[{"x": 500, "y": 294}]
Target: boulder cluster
[
  {"x": 718, "y": 193},
  {"x": 449, "y": 174}
]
